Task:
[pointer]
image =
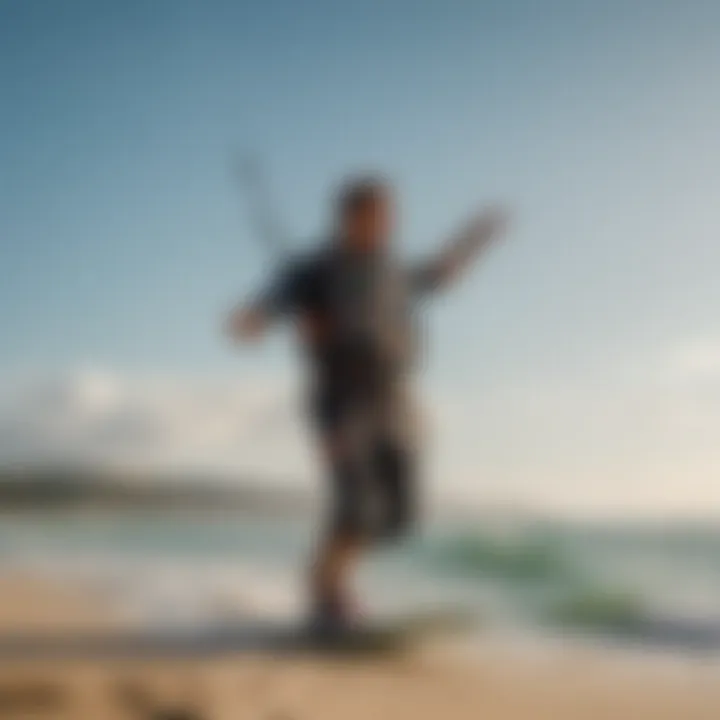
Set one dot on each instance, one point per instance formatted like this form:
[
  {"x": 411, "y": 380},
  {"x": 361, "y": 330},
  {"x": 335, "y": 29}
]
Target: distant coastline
[{"x": 50, "y": 489}]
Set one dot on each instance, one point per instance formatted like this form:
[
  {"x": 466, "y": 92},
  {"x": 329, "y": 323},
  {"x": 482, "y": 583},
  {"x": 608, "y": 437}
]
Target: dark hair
[{"x": 359, "y": 192}]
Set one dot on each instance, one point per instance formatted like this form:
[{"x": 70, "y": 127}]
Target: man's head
[{"x": 365, "y": 213}]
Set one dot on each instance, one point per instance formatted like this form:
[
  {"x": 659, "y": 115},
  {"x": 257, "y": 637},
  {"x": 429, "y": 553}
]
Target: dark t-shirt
[{"x": 323, "y": 286}]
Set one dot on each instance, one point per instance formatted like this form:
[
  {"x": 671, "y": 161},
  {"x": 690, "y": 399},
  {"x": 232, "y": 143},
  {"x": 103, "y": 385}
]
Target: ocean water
[{"x": 655, "y": 586}]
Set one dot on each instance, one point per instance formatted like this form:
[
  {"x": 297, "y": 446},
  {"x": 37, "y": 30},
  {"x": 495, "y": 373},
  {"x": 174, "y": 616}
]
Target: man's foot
[{"x": 334, "y": 618}]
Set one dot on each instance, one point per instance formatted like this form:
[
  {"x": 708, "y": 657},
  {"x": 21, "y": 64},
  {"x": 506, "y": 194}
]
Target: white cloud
[{"x": 86, "y": 416}]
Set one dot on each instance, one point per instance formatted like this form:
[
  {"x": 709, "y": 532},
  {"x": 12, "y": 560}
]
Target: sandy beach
[{"x": 495, "y": 683}]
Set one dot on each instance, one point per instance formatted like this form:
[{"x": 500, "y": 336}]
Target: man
[{"x": 354, "y": 303}]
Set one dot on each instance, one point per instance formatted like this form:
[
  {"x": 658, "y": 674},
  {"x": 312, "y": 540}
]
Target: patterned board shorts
[{"x": 371, "y": 446}]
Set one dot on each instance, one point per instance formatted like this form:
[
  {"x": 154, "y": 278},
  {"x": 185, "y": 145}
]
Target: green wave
[
  {"x": 525, "y": 558},
  {"x": 554, "y": 589},
  {"x": 599, "y": 609}
]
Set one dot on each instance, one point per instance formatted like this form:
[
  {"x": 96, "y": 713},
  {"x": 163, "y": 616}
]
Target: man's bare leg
[
  {"x": 331, "y": 575},
  {"x": 339, "y": 548}
]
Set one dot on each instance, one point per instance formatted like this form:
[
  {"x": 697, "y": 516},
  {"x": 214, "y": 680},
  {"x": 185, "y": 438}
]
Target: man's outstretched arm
[
  {"x": 459, "y": 252},
  {"x": 250, "y": 320}
]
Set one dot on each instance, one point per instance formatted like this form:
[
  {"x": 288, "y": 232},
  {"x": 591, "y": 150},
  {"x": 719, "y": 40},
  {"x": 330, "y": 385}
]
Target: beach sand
[{"x": 492, "y": 684}]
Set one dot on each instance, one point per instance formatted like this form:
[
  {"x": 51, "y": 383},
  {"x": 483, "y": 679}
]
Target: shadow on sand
[{"x": 269, "y": 638}]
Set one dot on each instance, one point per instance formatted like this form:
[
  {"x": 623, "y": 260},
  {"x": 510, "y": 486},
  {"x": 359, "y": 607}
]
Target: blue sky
[{"x": 122, "y": 237}]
